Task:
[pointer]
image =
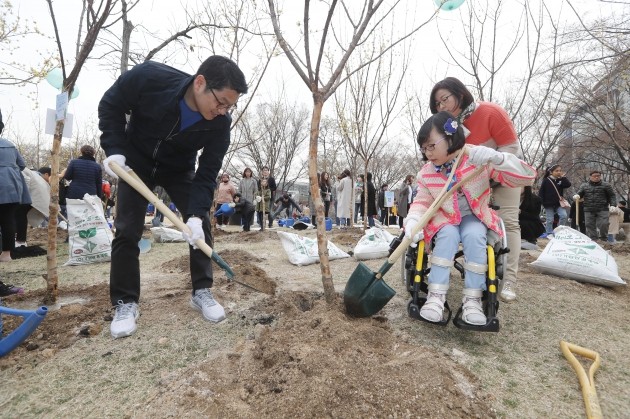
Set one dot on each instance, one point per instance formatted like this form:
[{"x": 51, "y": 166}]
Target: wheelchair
[{"x": 415, "y": 270}]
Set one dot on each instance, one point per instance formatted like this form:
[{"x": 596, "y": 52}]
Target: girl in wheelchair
[{"x": 465, "y": 217}]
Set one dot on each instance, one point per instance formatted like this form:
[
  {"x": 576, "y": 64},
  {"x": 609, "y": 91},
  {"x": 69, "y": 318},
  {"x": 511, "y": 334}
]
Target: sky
[{"x": 26, "y": 106}]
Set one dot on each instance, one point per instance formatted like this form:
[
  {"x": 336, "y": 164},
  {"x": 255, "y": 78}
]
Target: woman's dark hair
[
  {"x": 456, "y": 141},
  {"x": 221, "y": 72},
  {"x": 322, "y": 181},
  {"x": 457, "y": 88},
  {"x": 250, "y": 171},
  {"x": 345, "y": 173},
  {"x": 88, "y": 150},
  {"x": 551, "y": 169},
  {"x": 409, "y": 178},
  {"x": 1, "y": 122}
]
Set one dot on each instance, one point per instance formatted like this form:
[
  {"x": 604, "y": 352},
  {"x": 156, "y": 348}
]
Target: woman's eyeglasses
[
  {"x": 443, "y": 101},
  {"x": 431, "y": 147}
]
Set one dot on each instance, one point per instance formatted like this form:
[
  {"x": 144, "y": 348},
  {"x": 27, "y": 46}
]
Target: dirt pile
[{"x": 306, "y": 360}]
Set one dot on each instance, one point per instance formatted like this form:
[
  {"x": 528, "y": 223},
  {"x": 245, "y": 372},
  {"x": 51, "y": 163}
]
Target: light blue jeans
[
  {"x": 550, "y": 212},
  {"x": 471, "y": 232}
]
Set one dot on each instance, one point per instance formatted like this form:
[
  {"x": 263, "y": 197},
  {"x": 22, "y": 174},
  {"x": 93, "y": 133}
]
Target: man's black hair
[
  {"x": 1, "y": 122},
  {"x": 44, "y": 170},
  {"x": 221, "y": 72}
]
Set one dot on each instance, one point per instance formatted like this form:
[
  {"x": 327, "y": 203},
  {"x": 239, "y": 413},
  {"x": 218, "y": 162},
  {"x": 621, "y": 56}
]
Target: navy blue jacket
[
  {"x": 86, "y": 176},
  {"x": 548, "y": 194},
  {"x": 152, "y": 141}
]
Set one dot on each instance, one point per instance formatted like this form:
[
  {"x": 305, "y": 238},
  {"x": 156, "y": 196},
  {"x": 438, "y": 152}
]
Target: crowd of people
[{"x": 193, "y": 112}]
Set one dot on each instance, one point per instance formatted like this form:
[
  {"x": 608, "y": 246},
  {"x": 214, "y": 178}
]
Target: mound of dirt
[
  {"x": 309, "y": 360},
  {"x": 243, "y": 265},
  {"x": 82, "y": 312}
]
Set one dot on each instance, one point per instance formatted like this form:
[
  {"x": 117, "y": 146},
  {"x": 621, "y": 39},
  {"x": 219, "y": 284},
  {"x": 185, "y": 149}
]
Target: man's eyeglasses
[
  {"x": 443, "y": 101},
  {"x": 431, "y": 147},
  {"x": 223, "y": 106}
]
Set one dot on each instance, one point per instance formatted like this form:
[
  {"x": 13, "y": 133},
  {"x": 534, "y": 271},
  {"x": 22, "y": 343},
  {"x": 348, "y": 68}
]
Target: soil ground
[{"x": 291, "y": 355}]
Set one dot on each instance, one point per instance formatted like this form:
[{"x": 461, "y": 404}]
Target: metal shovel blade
[{"x": 365, "y": 294}]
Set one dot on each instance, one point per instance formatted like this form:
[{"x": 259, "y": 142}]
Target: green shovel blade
[{"x": 365, "y": 295}]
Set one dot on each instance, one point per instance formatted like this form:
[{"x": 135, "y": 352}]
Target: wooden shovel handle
[{"x": 135, "y": 182}]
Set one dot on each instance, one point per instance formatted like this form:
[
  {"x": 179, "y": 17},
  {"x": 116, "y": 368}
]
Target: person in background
[
  {"x": 85, "y": 175},
  {"x": 573, "y": 217},
  {"x": 466, "y": 218},
  {"x": 285, "y": 203},
  {"x": 371, "y": 203},
  {"x": 381, "y": 205},
  {"x": 551, "y": 189},
  {"x": 248, "y": 188},
  {"x": 106, "y": 197},
  {"x": 598, "y": 196},
  {"x": 225, "y": 195},
  {"x": 404, "y": 199},
  {"x": 358, "y": 192},
  {"x": 63, "y": 187},
  {"x": 246, "y": 208},
  {"x": 271, "y": 182},
  {"x": 344, "y": 197},
  {"x": 487, "y": 124},
  {"x": 265, "y": 201},
  {"x": 36, "y": 212},
  {"x": 325, "y": 189},
  {"x": 13, "y": 192},
  {"x": 529, "y": 219},
  {"x": 156, "y": 119},
  {"x": 616, "y": 220}
]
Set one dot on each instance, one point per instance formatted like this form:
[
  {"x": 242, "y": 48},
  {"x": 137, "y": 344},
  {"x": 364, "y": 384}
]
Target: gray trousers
[{"x": 595, "y": 220}]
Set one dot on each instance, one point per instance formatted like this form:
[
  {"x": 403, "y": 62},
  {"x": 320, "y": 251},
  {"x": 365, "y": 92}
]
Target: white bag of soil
[
  {"x": 373, "y": 245},
  {"x": 303, "y": 250},
  {"x": 89, "y": 235},
  {"x": 166, "y": 235},
  {"x": 573, "y": 255}
]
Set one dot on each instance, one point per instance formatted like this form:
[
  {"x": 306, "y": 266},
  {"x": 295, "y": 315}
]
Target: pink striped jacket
[{"x": 513, "y": 172}]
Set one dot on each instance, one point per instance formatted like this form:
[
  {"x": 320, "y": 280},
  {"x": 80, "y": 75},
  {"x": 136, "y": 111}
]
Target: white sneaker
[
  {"x": 507, "y": 293},
  {"x": 472, "y": 310},
  {"x": 204, "y": 301},
  {"x": 433, "y": 309},
  {"x": 124, "y": 323}
]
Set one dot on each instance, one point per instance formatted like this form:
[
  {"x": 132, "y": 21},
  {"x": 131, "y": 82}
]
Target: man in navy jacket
[{"x": 172, "y": 115}]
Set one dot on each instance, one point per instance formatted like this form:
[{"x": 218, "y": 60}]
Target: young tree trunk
[
  {"x": 318, "y": 204},
  {"x": 52, "y": 277}
]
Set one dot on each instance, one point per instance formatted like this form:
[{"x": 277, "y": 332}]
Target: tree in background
[
  {"x": 94, "y": 21},
  {"x": 325, "y": 67},
  {"x": 367, "y": 105}
]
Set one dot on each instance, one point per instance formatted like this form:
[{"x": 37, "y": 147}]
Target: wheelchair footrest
[{"x": 492, "y": 323}]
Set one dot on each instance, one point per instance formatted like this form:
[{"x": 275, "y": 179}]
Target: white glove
[
  {"x": 258, "y": 198},
  {"x": 196, "y": 231},
  {"x": 481, "y": 155},
  {"x": 119, "y": 159},
  {"x": 231, "y": 205},
  {"x": 576, "y": 197},
  {"x": 410, "y": 225}
]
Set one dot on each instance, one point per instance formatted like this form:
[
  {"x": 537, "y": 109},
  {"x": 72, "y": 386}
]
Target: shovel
[
  {"x": 366, "y": 292},
  {"x": 591, "y": 402},
  {"x": 135, "y": 182}
]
